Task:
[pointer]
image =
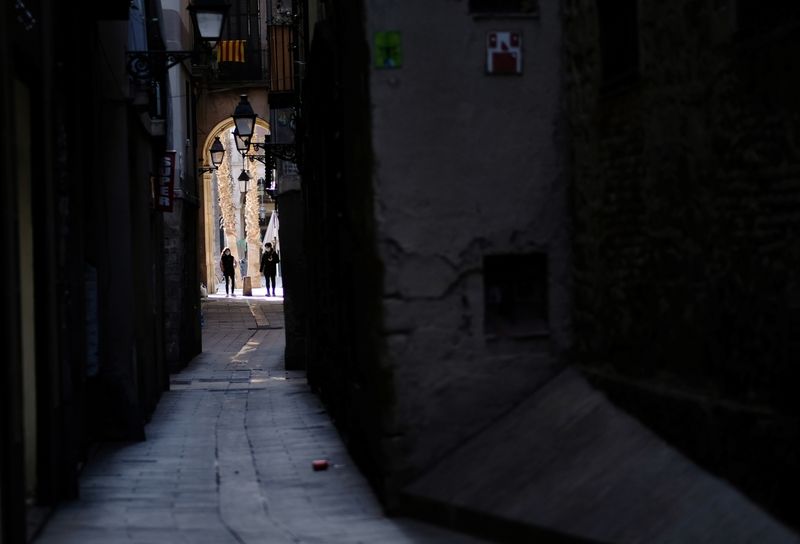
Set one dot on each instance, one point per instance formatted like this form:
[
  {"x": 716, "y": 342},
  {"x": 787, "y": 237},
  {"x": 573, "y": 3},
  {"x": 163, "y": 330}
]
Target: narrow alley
[
  {"x": 228, "y": 456},
  {"x": 519, "y": 271}
]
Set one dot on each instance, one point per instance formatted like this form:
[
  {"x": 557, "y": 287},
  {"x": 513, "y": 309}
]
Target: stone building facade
[
  {"x": 685, "y": 184},
  {"x": 83, "y": 313},
  {"x": 470, "y": 220},
  {"x": 623, "y": 204},
  {"x": 436, "y": 202}
]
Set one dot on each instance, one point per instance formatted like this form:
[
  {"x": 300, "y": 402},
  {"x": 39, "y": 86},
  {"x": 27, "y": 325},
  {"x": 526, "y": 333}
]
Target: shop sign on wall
[
  {"x": 165, "y": 182},
  {"x": 504, "y": 52}
]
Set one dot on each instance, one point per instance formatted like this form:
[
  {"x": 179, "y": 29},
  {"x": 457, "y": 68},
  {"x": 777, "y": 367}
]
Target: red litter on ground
[{"x": 320, "y": 464}]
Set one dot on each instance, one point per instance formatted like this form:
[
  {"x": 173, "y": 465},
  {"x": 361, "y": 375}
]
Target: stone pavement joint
[
  {"x": 228, "y": 457},
  {"x": 258, "y": 314}
]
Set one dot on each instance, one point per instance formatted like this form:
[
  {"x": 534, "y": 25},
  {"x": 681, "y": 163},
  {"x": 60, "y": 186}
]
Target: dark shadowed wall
[{"x": 685, "y": 196}]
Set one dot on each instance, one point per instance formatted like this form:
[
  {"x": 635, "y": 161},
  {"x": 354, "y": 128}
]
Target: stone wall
[
  {"x": 686, "y": 180},
  {"x": 174, "y": 263},
  {"x": 468, "y": 174}
]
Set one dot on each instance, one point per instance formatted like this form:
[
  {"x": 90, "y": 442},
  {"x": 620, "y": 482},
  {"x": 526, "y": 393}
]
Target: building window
[
  {"x": 619, "y": 40},
  {"x": 515, "y": 295},
  {"x": 504, "y": 7}
]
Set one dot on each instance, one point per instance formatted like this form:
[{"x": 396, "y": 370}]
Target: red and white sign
[
  {"x": 504, "y": 52},
  {"x": 165, "y": 182}
]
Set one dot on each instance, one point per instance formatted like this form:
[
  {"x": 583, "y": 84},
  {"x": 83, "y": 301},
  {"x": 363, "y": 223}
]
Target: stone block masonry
[{"x": 686, "y": 179}]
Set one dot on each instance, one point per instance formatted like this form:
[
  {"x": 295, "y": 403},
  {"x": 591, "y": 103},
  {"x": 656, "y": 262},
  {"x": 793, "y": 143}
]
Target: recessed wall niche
[{"x": 515, "y": 295}]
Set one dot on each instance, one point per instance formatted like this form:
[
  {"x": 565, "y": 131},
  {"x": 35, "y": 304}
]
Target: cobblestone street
[{"x": 228, "y": 457}]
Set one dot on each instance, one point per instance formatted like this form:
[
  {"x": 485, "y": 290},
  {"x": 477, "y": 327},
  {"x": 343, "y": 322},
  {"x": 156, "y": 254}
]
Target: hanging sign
[
  {"x": 504, "y": 52},
  {"x": 165, "y": 182}
]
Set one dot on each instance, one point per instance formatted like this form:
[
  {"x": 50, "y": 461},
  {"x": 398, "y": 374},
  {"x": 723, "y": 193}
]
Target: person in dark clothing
[
  {"x": 228, "y": 265},
  {"x": 269, "y": 265}
]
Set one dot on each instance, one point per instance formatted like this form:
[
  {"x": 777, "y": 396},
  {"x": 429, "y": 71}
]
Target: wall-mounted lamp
[
  {"x": 208, "y": 19},
  {"x": 243, "y": 181},
  {"x": 217, "y": 152},
  {"x": 242, "y": 144},
  {"x": 244, "y": 118}
]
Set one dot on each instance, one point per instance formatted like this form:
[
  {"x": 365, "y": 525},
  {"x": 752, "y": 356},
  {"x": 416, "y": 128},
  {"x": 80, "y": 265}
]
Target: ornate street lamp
[
  {"x": 243, "y": 180},
  {"x": 244, "y": 118},
  {"x": 208, "y": 19},
  {"x": 242, "y": 144},
  {"x": 217, "y": 153}
]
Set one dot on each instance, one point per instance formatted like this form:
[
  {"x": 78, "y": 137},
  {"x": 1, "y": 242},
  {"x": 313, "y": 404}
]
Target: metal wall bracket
[
  {"x": 286, "y": 152},
  {"x": 147, "y": 65}
]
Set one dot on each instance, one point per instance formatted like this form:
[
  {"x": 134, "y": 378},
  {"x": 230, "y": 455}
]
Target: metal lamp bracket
[
  {"x": 286, "y": 152},
  {"x": 144, "y": 65}
]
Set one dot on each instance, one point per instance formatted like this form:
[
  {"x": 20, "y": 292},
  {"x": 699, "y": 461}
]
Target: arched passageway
[{"x": 231, "y": 217}]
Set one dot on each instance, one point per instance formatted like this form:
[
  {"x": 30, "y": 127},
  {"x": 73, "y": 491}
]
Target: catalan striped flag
[{"x": 230, "y": 51}]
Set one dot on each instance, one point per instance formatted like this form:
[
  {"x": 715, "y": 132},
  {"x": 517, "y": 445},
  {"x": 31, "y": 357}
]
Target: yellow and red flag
[{"x": 230, "y": 51}]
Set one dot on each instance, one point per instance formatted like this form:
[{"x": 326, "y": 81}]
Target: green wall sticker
[{"x": 388, "y": 49}]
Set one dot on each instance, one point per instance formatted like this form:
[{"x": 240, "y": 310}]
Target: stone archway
[{"x": 210, "y": 220}]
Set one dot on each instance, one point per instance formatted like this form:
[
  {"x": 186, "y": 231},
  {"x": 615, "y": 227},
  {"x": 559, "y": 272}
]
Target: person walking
[
  {"x": 269, "y": 266},
  {"x": 228, "y": 265}
]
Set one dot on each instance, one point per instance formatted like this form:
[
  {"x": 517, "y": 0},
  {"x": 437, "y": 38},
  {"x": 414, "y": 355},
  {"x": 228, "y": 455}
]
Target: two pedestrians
[{"x": 269, "y": 268}]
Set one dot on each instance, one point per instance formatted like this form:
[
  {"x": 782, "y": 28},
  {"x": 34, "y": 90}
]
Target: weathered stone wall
[
  {"x": 467, "y": 166},
  {"x": 686, "y": 183},
  {"x": 175, "y": 286}
]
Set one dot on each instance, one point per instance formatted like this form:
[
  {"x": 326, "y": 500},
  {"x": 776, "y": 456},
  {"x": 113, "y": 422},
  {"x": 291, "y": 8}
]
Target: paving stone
[{"x": 228, "y": 457}]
